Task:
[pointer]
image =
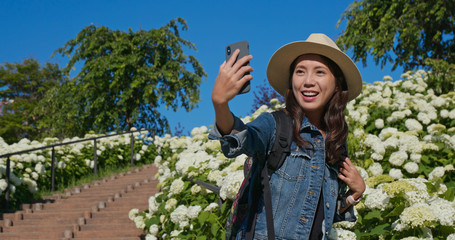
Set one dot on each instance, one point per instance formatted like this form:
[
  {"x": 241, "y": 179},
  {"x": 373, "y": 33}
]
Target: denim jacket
[{"x": 297, "y": 184}]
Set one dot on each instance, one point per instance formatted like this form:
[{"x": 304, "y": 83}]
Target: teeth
[{"x": 310, "y": 94}]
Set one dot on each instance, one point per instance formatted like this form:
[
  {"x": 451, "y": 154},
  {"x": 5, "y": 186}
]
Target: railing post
[
  {"x": 95, "y": 164},
  {"x": 132, "y": 149},
  {"x": 8, "y": 172},
  {"x": 53, "y": 170}
]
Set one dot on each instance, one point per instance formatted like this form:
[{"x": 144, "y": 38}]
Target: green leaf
[
  {"x": 380, "y": 229},
  {"x": 214, "y": 228},
  {"x": 202, "y": 218},
  {"x": 396, "y": 211},
  {"x": 373, "y": 215},
  {"x": 449, "y": 195}
]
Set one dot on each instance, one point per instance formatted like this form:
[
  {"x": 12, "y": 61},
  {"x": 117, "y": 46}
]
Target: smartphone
[{"x": 243, "y": 46}]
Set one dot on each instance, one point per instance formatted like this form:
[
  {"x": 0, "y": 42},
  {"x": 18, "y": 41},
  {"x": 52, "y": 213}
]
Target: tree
[
  {"x": 22, "y": 86},
  {"x": 127, "y": 76},
  {"x": 262, "y": 96},
  {"x": 400, "y": 32}
]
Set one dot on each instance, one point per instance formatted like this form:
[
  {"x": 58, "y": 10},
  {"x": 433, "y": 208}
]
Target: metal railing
[
  {"x": 210, "y": 187},
  {"x": 53, "y": 146}
]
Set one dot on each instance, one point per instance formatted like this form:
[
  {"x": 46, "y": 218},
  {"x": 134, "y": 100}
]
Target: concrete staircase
[{"x": 93, "y": 211}]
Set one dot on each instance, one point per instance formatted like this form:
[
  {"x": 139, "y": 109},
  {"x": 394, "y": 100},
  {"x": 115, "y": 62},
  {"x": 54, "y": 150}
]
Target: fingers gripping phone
[{"x": 243, "y": 46}]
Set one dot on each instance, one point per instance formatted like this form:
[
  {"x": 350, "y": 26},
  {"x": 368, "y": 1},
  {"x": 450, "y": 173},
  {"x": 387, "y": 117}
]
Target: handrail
[
  {"x": 72, "y": 142},
  {"x": 210, "y": 187},
  {"x": 95, "y": 170}
]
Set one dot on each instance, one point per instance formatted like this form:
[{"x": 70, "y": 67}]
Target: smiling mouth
[{"x": 310, "y": 94}]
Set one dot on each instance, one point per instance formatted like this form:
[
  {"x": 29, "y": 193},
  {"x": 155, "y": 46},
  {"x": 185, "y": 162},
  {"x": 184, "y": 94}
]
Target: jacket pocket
[{"x": 295, "y": 166}]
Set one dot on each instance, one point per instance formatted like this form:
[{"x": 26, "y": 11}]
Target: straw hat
[{"x": 317, "y": 43}]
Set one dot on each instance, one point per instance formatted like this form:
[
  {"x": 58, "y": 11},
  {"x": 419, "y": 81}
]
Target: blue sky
[{"x": 34, "y": 29}]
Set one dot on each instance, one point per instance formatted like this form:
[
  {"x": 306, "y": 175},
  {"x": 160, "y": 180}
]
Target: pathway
[{"x": 93, "y": 211}]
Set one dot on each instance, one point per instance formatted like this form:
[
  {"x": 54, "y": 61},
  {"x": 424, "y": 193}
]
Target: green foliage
[
  {"x": 125, "y": 78},
  {"x": 22, "y": 86},
  {"x": 400, "y": 32},
  {"x": 442, "y": 77}
]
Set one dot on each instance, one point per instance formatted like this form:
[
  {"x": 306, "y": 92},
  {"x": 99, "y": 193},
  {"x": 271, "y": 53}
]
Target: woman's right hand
[{"x": 229, "y": 80}]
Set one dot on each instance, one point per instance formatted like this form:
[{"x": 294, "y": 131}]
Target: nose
[{"x": 308, "y": 80}]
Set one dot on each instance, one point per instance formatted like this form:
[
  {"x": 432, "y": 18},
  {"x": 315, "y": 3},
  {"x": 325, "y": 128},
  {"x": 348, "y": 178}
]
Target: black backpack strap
[
  {"x": 283, "y": 139},
  {"x": 280, "y": 149}
]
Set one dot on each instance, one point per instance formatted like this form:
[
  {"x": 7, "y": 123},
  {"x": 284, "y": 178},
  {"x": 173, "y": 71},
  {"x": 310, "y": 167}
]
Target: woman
[{"x": 308, "y": 191}]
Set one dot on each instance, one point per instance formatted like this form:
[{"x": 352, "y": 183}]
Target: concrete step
[
  {"x": 98, "y": 210},
  {"x": 122, "y": 232}
]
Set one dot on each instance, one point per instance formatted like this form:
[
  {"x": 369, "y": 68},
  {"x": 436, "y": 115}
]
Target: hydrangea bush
[
  {"x": 401, "y": 138},
  {"x": 31, "y": 172}
]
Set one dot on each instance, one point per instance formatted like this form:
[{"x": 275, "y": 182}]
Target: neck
[{"x": 316, "y": 120}]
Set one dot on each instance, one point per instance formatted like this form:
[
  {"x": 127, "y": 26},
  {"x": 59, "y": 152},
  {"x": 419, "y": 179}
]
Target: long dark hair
[{"x": 333, "y": 119}]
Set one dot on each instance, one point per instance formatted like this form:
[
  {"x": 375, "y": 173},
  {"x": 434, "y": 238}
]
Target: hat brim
[{"x": 278, "y": 69}]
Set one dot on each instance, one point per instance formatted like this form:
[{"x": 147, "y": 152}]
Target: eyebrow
[{"x": 317, "y": 67}]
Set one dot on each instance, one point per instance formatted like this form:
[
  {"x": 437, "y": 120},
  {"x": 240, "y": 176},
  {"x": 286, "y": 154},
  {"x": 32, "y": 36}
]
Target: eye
[
  {"x": 320, "y": 72},
  {"x": 299, "y": 71}
]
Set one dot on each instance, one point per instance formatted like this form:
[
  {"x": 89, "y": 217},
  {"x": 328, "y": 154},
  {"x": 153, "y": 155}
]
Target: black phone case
[{"x": 243, "y": 46}]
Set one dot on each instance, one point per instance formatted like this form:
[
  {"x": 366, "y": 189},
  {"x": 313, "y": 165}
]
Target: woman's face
[{"x": 313, "y": 84}]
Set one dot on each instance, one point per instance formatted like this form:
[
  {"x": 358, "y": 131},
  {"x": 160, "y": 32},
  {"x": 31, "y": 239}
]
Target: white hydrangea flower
[
  {"x": 398, "y": 226},
  {"x": 451, "y": 236},
  {"x": 375, "y": 144},
  {"x": 436, "y": 129},
  {"x": 40, "y": 169},
  {"x": 387, "y": 78},
  {"x": 449, "y": 167},
  {"x": 419, "y": 196},
  {"x": 158, "y": 159},
  {"x": 170, "y": 204},
  {"x": 444, "y": 211},
  {"x": 177, "y": 186},
  {"x": 342, "y": 234},
  {"x": 444, "y": 113},
  {"x": 195, "y": 189},
  {"x": 387, "y": 93},
  {"x": 35, "y": 175},
  {"x": 437, "y": 172},
  {"x": 214, "y": 175},
  {"x": 137, "y": 157},
  {"x": 230, "y": 184},
  {"x": 379, "y": 123},
  {"x": 153, "y": 204},
  {"x": 133, "y": 213},
  {"x": 398, "y": 158},
  {"x": 180, "y": 216},
  {"x": 154, "y": 229},
  {"x": 413, "y": 125},
  {"x": 211, "y": 207},
  {"x": 150, "y": 237},
  {"x": 358, "y": 132},
  {"x": 424, "y": 118},
  {"x": 363, "y": 172},
  {"x": 193, "y": 211},
  {"x": 139, "y": 221},
  {"x": 377, "y": 199},
  {"x": 175, "y": 233},
  {"x": 418, "y": 215},
  {"x": 396, "y": 173},
  {"x": 410, "y": 143},
  {"x": 387, "y": 132},
  {"x": 375, "y": 169},
  {"x": 415, "y": 157}
]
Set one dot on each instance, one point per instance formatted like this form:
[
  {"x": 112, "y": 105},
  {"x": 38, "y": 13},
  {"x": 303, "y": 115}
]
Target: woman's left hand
[{"x": 350, "y": 175}]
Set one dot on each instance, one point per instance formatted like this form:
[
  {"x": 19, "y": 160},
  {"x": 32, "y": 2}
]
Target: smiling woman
[{"x": 317, "y": 80}]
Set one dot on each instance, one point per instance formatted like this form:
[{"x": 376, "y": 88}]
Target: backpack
[{"x": 256, "y": 182}]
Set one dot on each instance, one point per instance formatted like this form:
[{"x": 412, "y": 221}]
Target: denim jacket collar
[{"x": 306, "y": 124}]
